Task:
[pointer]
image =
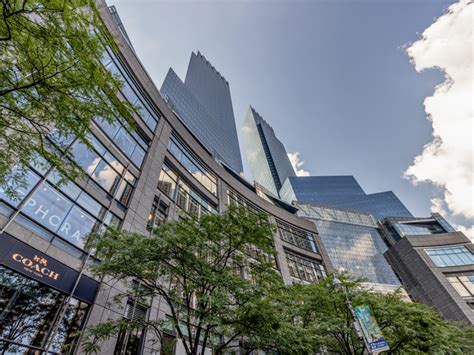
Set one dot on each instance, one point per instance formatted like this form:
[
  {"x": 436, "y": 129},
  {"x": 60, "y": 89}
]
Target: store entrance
[{"x": 28, "y": 312}]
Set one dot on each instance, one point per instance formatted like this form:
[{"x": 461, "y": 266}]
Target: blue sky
[{"x": 331, "y": 77}]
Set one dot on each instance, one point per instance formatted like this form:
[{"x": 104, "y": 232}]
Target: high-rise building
[
  {"x": 354, "y": 244},
  {"x": 204, "y": 104},
  {"x": 342, "y": 192},
  {"x": 434, "y": 262},
  {"x": 135, "y": 181},
  {"x": 266, "y": 155}
]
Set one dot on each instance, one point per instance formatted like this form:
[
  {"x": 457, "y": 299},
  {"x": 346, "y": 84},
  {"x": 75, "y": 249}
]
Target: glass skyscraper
[
  {"x": 266, "y": 155},
  {"x": 203, "y": 102},
  {"x": 342, "y": 192},
  {"x": 353, "y": 243}
]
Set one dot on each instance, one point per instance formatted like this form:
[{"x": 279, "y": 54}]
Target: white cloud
[
  {"x": 447, "y": 161},
  {"x": 438, "y": 206},
  {"x": 297, "y": 163},
  {"x": 468, "y": 231}
]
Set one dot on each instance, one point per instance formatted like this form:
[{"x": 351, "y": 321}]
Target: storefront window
[
  {"x": 27, "y": 313},
  {"x": 53, "y": 210}
]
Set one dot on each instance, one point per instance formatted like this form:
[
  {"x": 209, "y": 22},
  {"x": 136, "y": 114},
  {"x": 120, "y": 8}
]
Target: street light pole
[{"x": 338, "y": 284}]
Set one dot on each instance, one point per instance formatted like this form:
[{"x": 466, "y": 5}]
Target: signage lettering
[
  {"x": 53, "y": 220},
  {"x": 32, "y": 263},
  {"x": 37, "y": 265}
]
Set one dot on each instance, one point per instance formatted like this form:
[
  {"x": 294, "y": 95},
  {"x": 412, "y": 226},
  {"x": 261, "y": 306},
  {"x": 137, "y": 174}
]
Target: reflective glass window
[
  {"x": 125, "y": 141},
  {"x": 48, "y": 207},
  {"x": 132, "y": 94},
  {"x": 192, "y": 165},
  {"x": 297, "y": 237},
  {"x": 167, "y": 182},
  {"x": 53, "y": 210},
  {"x": 76, "y": 226},
  {"x": 105, "y": 176},
  {"x": 130, "y": 143},
  {"x": 85, "y": 157},
  {"x": 451, "y": 256},
  {"x": 304, "y": 268},
  {"x": 137, "y": 156},
  {"x": 31, "y": 180},
  {"x": 464, "y": 285},
  {"x": 27, "y": 313}
]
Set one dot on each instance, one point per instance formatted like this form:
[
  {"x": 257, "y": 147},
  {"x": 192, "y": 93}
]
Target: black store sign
[{"x": 30, "y": 262}]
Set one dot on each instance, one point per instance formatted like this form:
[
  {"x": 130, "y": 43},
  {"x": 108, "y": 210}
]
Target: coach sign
[{"x": 30, "y": 262}]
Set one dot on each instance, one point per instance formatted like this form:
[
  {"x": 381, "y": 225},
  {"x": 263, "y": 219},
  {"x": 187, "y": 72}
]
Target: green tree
[
  {"x": 213, "y": 272},
  {"x": 51, "y": 78},
  {"x": 318, "y": 311}
]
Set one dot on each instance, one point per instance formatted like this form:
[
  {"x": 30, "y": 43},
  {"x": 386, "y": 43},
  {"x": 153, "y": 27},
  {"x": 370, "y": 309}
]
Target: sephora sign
[{"x": 53, "y": 210}]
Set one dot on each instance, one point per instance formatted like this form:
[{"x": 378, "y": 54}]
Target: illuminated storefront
[{"x": 37, "y": 311}]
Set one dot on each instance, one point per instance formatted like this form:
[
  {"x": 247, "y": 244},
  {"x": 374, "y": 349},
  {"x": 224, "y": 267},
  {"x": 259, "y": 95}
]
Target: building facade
[
  {"x": 135, "y": 180},
  {"x": 342, "y": 192},
  {"x": 354, "y": 245},
  {"x": 434, "y": 262},
  {"x": 204, "y": 104},
  {"x": 266, "y": 155}
]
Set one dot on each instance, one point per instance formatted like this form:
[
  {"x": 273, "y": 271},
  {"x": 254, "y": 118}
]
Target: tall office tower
[
  {"x": 342, "y": 192},
  {"x": 354, "y": 244},
  {"x": 266, "y": 155},
  {"x": 204, "y": 104},
  {"x": 434, "y": 262}
]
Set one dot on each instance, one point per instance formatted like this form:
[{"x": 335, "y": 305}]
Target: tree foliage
[
  {"x": 51, "y": 78},
  {"x": 216, "y": 277},
  {"x": 319, "y": 313},
  {"x": 213, "y": 273}
]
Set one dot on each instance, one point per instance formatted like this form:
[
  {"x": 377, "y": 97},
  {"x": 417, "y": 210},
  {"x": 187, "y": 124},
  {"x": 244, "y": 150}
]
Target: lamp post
[{"x": 339, "y": 285}]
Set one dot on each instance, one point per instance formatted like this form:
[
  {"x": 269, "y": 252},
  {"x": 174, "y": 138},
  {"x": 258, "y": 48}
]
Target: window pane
[
  {"x": 76, "y": 226},
  {"x": 86, "y": 158},
  {"x": 167, "y": 184},
  {"x": 91, "y": 205},
  {"x": 31, "y": 180},
  {"x": 151, "y": 123},
  {"x": 47, "y": 207},
  {"x": 138, "y": 156},
  {"x": 109, "y": 158},
  {"x": 109, "y": 128},
  {"x": 451, "y": 256},
  {"x": 105, "y": 176},
  {"x": 459, "y": 287},
  {"x": 124, "y": 141}
]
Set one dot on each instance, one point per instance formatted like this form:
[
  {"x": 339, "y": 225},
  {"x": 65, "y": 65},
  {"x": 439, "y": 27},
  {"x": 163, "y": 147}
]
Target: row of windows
[
  {"x": 70, "y": 213},
  {"x": 304, "y": 268},
  {"x": 185, "y": 197},
  {"x": 104, "y": 169},
  {"x": 297, "y": 237},
  {"x": 420, "y": 228},
  {"x": 451, "y": 256},
  {"x": 233, "y": 198},
  {"x": 332, "y": 214},
  {"x": 130, "y": 143},
  {"x": 195, "y": 168},
  {"x": 131, "y": 93},
  {"x": 464, "y": 285}
]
